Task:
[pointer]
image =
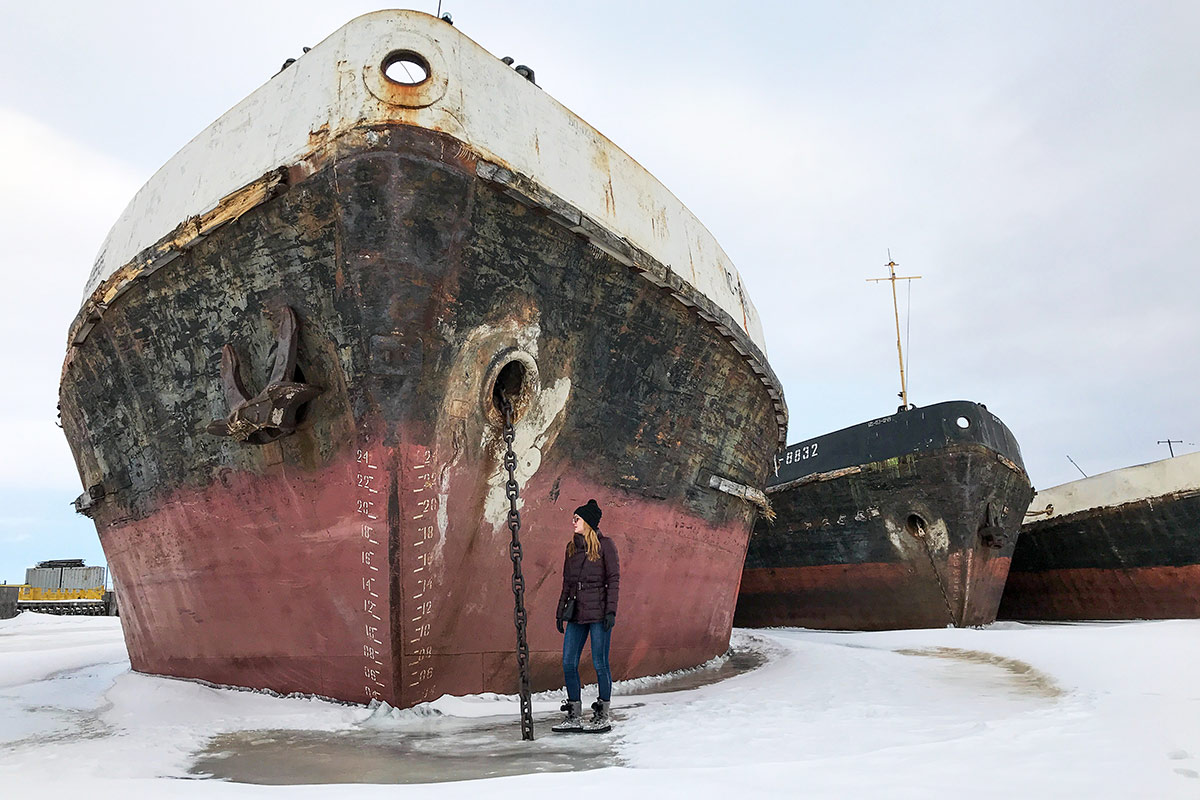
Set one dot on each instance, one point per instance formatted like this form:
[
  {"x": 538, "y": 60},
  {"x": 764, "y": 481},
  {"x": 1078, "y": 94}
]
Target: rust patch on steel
[
  {"x": 525, "y": 190},
  {"x": 528, "y": 191},
  {"x": 185, "y": 235},
  {"x": 318, "y": 137},
  {"x": 1008, "y": 463}
]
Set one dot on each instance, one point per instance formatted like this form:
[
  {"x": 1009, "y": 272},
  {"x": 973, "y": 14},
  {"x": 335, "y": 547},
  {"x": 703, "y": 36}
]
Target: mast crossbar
[{"x": 892, "y": 278}]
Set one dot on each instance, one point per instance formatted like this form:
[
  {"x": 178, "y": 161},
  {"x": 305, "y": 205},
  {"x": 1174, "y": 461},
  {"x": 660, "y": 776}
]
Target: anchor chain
[
  {"x": 923, "y": 537},
  {"x": 513, "y": 491}
]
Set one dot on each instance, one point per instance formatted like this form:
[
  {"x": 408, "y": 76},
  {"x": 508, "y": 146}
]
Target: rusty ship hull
[
  {"x": 1116, "y": 546},
  {"x": 908, "y": 521},
  {"x": 363, "y": 554}
]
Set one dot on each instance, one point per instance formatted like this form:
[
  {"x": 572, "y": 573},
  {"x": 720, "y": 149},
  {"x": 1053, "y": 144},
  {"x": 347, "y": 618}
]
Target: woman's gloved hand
[
  {"x": 610, "y": 619},
  {"x": 558, "y": 624}
]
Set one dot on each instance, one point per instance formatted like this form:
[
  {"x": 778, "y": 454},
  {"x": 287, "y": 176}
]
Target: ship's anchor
[
  {"x": 271, "y": 414},
  {"x": 990, "y": 533}
]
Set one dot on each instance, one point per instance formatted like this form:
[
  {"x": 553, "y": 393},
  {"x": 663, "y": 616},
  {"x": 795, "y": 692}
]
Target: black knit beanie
[{"x": 590, "y": 513}]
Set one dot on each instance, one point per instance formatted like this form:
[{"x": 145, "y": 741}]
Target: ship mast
[{"x": 893, "y": 277}]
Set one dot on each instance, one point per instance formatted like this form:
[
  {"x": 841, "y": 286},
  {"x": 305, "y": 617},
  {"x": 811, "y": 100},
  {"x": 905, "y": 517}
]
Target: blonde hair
[{"x": 591, "y": 541}]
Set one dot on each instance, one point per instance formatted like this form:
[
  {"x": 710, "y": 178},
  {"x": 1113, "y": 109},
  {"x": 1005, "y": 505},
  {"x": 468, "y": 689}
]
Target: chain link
[
  {"x": 513, "y": 491},
  {"x": 923, "y": 537}
]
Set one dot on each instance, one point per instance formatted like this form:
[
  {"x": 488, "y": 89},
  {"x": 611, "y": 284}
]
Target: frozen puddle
[
  {"x": 436, "y": 748},
  {"x": 450, "y": 750},
  {"x": 746, "y": 655}
]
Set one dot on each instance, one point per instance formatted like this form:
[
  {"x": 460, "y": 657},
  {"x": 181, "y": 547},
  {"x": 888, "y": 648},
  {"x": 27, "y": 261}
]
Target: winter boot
[
  {"x": 600, "y": 722},
  {"x": 573, "y": 723}
]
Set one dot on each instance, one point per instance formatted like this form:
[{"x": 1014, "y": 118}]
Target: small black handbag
[{"x": 567, "y": 610}]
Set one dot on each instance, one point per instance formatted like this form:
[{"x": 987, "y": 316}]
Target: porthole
[{"x": 406, "y": 68}]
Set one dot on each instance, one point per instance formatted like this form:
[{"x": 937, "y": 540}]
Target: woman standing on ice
[{"x": 588, "y": 606}]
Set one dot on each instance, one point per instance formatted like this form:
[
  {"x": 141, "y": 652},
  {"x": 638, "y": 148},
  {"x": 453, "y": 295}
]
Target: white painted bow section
[
  {"x": 1145, "y": 481},
  {"x": 470, "y": 95}
]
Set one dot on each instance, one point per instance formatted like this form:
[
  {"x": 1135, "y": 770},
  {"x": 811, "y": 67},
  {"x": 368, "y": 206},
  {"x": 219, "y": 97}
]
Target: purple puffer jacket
[{"x": 593, "y": 584}]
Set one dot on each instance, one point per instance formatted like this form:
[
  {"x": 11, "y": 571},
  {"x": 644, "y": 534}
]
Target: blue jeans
[{"x": 573, "y": 639}]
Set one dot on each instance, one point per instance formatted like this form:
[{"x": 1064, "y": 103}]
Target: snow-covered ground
[{"x": 1100, "y": 710}]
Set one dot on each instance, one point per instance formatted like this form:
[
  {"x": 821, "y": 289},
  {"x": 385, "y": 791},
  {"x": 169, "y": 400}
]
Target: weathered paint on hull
[
  {"x": 868, "y": 596},
  {"x": 1138, "y": 560},
  {"x": 364, "y": 556},
  {"x": 1103, "y": 594},
  {"x": 272, "y": 598},
  {"x": 843, "y": 555}
]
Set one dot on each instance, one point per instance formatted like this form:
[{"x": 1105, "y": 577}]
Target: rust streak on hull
[
  {"x": 1103, "y": 594},
  {"x": 869, "y": 596}
]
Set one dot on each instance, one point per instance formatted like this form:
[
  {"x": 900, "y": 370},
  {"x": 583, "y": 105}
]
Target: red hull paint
[
  {"x": 981, "y": 586},
  {"x": 1098, "y": 594},
  {"x": 867, "y": 596},
  {"x": 320, "y": 582}
]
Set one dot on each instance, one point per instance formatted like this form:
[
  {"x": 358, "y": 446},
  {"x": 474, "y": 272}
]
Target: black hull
[
  {"x": 1138, "y": 560},
  {"x": 921, "y": 538}
]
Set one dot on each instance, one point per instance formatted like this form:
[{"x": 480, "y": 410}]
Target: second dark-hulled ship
[{"x": 907, "y": 521}]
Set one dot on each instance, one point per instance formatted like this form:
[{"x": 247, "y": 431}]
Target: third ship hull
[{"x": 1121, "y": 545}]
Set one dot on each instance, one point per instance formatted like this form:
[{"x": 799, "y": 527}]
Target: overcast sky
[{"x": 1037, "y": 163}]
